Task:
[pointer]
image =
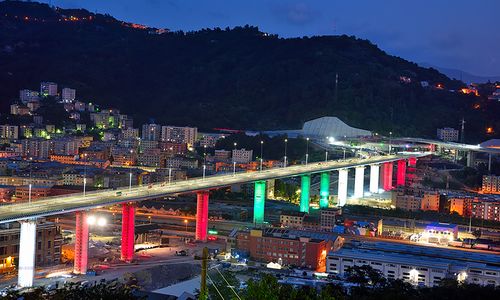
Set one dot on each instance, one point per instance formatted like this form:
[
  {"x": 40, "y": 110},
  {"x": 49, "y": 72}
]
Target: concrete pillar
[
  {"x": 81, "y": 243},
  {"x": 128, "y": 232},
  {"x": 343, "y": 177},
  {"x": 401, "y": 176},
  {"x": 305, "y": 189},
  {"x": 387, "y": 176},
  {"x": 359, "y": 181},
  {"x": 324, "y": 189},
  {"x": 259, "y": 202},
  {"x": 412, "y": 161},
  {"x": 27, "y": 246},
  {"x": 374, "y": 178},
  {"x": 471, "y": 157},
  {"x": 201, "y": 216}
]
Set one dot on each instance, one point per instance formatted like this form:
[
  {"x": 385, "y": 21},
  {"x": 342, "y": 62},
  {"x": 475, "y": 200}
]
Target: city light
[{"x": 91, "y": 220}]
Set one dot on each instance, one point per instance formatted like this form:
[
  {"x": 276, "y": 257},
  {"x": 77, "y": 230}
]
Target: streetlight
[
  {"x": 85, "y": 175},
  {"x": 234, "y": 161},
  {"x": 344, "y": 153},
  {"x": 326, "y": 156},
  {"x": 169, "y": 175},
  {"x": 204, "y": 168},
  {"x": 284, "y": 160},
  {"x": 307, "y": 149},
  {"x": 261, "y": 151},
  {"x": 149, "y": 217},
  {"x": 186, "y": 224},
  {"x": 390, "y": 142},
  {"x": 130, "y": 182}
]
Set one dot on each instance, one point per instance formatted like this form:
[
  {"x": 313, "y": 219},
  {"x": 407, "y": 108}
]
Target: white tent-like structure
[{"x": 331, "y": 127}]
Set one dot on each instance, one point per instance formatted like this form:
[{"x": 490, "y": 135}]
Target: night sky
[{"x": 459, "y": 34}]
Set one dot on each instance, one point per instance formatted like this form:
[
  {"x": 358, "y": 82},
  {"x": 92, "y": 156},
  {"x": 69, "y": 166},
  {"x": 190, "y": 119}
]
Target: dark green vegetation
[
  {"x": 237, "y": 78},
  {"x": 75, "y": 291},
  {"x": 367, "y": 284}
]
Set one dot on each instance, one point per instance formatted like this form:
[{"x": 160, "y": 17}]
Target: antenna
[
  {"x": 462, "y": 137},
  {"x": 336, "y": 87}
]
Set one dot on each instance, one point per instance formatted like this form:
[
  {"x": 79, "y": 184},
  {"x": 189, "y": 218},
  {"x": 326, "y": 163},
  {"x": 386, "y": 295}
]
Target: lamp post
[
  {"x": 234, "y": 161},
  {"x": 326, "y": 156},
  {"x": 85, "y": 175},
  {"x": 307, "y": 150},
  {"x": 29, "y": 194},
  {"x": 284, "y": 160},
  {"x": 204, "y": 160},
  {"x": 186, "y": 224},
  {"x": 344, "y": 153},
  {"x": 204, "y": 170},
  {"x": 130, "y": 182},
  {"x": 390, "y": 142},
  {"x": 261, "y": 151},
  {"x": 169, "y": 175}
]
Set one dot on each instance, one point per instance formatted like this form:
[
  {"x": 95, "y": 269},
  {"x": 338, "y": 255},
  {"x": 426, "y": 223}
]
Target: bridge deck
[{"x": 75, "y": 202}]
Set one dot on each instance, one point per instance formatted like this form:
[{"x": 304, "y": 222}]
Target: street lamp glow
[
  {"x": 101, "y": 222},
  {"x": 91, "y": 220}
]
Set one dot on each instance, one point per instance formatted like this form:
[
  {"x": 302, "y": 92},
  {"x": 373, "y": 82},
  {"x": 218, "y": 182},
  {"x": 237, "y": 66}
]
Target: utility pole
[
  {"x": 203, "y": 281},
  {"x": 462, "y": 137},
  {"x": 336, "y": 88}
]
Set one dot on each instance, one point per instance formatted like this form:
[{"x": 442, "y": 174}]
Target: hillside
[{"x": 237, "y": 78}]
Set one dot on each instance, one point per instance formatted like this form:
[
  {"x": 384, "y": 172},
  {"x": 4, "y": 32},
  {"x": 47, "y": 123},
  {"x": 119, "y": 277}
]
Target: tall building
[
  {"x": 130, "y": 133},
  {"x": 28, "y": 96},
  {"x": 186, "y": 135},
  {"x": 447, "y": 134},
  {"x": 242, "y": 156},
  {"x": 151, "y": 132},
  {"x": 48, "y": 89},
  {"x": 9, "y": 132},
  {"x": 47, "y": 249},
  {"x": 68, "y": 95},
  {"x": 491, "y": 184}
]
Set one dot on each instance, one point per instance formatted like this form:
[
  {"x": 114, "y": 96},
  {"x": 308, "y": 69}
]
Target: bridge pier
[
  {"x": 343, "y": 177},
  {"x": 81, "y": 243},
  {"x": 471, "y": 158},
  {"x": 27, "y": 243},
  {"x": 359, "y": 181},
  {"x": 374, "y": 178},
  {"x": 128, "y": 232},
  {"x": 412, "y": 161},
  {"x": 401, "y": 176},
  {"x": 259, "y": 202},
  {"x": 324, "y": 190},
  {"x": 201, "y": 216},
  {"x": 387, "y": 176},
  {"x": 305, "y": 189}
]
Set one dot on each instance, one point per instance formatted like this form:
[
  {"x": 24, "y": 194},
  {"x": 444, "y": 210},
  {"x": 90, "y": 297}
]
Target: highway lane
[{"x": 76, "y": 202}]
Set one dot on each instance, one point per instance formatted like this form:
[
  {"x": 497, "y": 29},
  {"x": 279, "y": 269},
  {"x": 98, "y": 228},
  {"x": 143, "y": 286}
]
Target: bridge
[
  {"x": 28, "y": 213},
  {"x": 469, "y": 149}
]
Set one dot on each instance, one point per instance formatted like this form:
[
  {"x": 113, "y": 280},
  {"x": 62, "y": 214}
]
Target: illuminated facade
[
  {"x": 289, "y": 247},
  {"x": 418, "y": 265}
]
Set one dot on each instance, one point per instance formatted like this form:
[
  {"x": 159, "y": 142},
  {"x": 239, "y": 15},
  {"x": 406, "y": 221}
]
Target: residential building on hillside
[
  {"x": 447, "y": 134},
  {"x": 48, "y": 89},
  {"x": 68, "y": 95}
]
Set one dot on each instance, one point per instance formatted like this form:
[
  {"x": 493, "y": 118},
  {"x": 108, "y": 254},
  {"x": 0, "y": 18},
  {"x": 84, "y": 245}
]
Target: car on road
[{"x": 181, "y": 253}]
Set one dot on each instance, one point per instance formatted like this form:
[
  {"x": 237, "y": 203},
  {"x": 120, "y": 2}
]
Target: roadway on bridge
[{"x": 76, "y": 202}]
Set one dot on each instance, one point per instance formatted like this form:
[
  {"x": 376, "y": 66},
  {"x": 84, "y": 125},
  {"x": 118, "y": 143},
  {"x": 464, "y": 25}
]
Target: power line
[
  {"x": 215, "y": 286},
  {"x": 230, "y": 286}
]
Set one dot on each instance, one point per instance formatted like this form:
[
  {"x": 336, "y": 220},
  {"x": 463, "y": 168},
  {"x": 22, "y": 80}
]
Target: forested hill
[{"x": 237, "y": 78}]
